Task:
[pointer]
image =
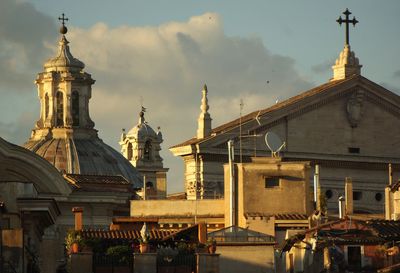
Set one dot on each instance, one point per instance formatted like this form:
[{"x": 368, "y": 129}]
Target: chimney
[
  {"x": 78, "y": 212},
  {"x": 348, "y": 189},
  {"x": 342, "y": 212}
]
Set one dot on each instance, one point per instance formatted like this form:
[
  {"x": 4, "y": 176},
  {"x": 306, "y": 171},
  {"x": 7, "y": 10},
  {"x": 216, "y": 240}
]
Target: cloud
[
  {"x": 167, "y": 66},
  {"x": 17, "y": 132},
  {"x": 396, "y": 74},
  {"x": 323, "y": 67},
  {"x": 24, "y": 32}
]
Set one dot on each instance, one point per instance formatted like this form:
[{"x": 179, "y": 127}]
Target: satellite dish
[{"x": 274, "y": 143}]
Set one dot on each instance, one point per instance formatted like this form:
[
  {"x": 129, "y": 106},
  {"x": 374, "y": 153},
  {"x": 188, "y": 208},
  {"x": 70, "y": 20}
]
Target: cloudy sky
[{"x": 164, "y": 51}]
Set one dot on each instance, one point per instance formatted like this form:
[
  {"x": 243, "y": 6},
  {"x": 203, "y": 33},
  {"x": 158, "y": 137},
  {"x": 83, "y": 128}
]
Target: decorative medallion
[{"x": 355, "y": 107}]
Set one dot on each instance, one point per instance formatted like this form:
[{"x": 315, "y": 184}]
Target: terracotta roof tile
[
  {"x": 124, "y": 234},
  {"x": 97, "y": 179},
  {"x": 281, "y": 216}
]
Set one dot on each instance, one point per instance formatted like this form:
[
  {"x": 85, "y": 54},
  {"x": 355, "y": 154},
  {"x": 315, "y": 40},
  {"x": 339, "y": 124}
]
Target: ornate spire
[
  {"x": 204, "y": 120},
  {"x": 347, "y": 64},
  {"x": 64, "y": 61}
]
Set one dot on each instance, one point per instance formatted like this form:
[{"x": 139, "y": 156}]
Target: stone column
[
  {"x": 349, "y": 196},
  {"x": 145, "y": 262},
  {"x": 388, "y": 203},
  {"x": 207, "y": 263}
]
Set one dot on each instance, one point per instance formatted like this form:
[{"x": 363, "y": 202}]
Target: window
[
  {"x": 60, "y": 109},
  {"x": 129, "y": 151},
  {"x": 354, "y": 150},
  {"x": 75, "y": 108},
  {"x": 328, "y": 194},
  {"x": 271, "y": 182},
  {"x": 357, "y": 195},
  {"x": 378, "y": 196},
  {"x": 46, "y": 105},
  {"x": 147, "y": 150}
]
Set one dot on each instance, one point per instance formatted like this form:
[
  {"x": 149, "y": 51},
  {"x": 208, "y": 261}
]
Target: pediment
[{"x": 354, "y": 93}]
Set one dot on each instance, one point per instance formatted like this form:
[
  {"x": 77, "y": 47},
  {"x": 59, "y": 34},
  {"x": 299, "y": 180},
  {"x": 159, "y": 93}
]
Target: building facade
[{"x": 349, "y": 126}]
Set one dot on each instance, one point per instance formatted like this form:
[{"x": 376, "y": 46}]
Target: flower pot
[
  {"x": 74, "y": 248},
  {"x": 144, "y": 248}
]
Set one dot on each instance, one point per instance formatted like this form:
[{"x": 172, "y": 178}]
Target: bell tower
[
  {"x": 64, "y": 90},
  {"x": 142, "y": 146}
]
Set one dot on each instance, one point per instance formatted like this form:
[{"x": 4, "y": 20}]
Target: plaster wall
[
  {"x": 249, "y": 259},
  {"x": 140, "y": 208}
]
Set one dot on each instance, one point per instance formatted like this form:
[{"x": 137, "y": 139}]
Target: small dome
[
  {"x": 85, "y": 156},
  {"x": 142, "y": 129}
]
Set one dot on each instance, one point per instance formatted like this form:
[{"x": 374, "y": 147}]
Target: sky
[{"x": 163, "y": 52}]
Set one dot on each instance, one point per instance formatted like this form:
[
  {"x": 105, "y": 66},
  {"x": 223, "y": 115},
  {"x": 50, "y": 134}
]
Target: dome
[
  {"x": 84, "y": 156},
  {"x": 64, "y": 59}
]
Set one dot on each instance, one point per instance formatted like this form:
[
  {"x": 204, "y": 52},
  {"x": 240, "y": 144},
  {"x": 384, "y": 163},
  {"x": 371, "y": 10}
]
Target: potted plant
[
  {"x": 211, "y": 245},
  {"x": 144, "y": 239},
  {"x": 73, "y": 241}
]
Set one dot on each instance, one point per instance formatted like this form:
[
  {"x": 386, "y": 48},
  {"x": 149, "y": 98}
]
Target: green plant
[
  {"x": 121, "y": 253},
  {"x": 73, "y": 237}
]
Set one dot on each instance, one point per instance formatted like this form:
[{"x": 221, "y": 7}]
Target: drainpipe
[
  {"x": 316, "y": 188},
  {"x": 144, "y": 187},
  {"x": 232, "y": 208}
]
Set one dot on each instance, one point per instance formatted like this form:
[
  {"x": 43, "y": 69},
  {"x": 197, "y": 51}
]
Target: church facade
[{"x": 349, "y": 126}]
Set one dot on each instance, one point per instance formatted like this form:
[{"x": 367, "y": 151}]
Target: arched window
[
  {"x": 60, "y": 109},
  {"x": 75, "y": 108},
  {"x": 130, "y": 151},
  {"x": 46, "y": 105},
  {"x": 147, "y": 150}
]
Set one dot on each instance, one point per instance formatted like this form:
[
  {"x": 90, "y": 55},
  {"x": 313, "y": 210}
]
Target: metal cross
[
  {"x": 347, "y": 21},
  {"x": 63, "y": 19}
]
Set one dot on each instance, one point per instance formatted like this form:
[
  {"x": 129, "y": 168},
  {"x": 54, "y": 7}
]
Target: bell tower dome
[{"x": 64, "y": 134}]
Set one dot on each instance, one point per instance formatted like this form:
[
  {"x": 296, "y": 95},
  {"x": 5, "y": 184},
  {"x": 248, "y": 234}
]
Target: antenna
[
  {"x": 240, "y": 130},
  {"x": 274, "y": 143}
]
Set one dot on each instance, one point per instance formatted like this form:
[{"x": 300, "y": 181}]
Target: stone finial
[
  {"x": 204, "y": 120},
  {"x": 346, "y": 65}
]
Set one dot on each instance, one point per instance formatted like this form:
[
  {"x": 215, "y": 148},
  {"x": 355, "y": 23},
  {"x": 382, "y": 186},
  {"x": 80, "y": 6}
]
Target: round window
[
  {"x": 329, "y": 194},
  {"x": 378, "y": 196}
]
